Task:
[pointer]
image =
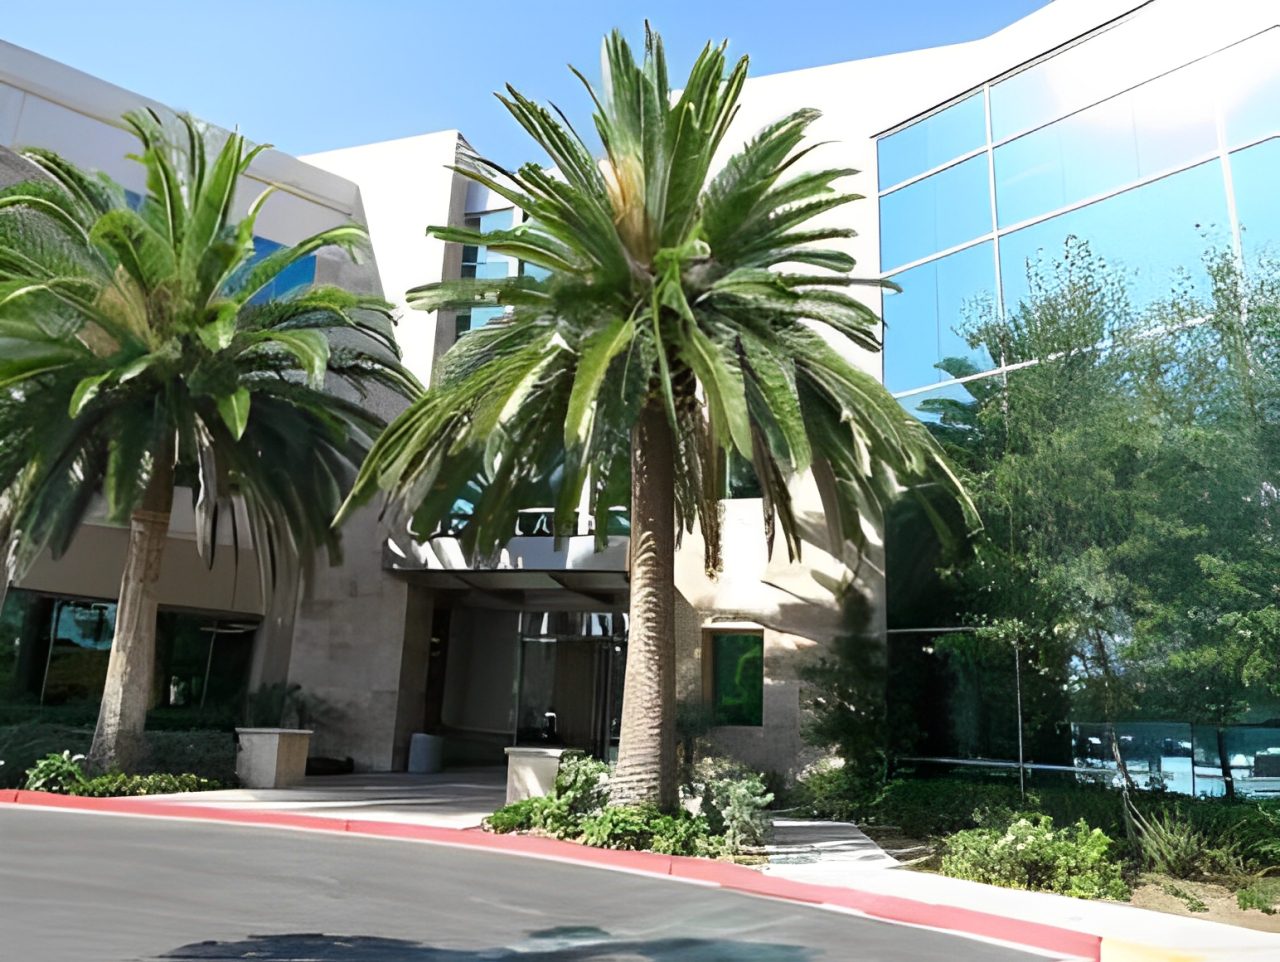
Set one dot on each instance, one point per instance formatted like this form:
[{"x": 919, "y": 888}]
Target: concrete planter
[
  {"x": 271, "y": 757},
  {"x": 531, "y": 772}
]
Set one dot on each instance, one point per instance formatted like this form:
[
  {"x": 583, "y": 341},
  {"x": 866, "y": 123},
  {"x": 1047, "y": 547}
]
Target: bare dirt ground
[{"x": 1219, "y": 903}]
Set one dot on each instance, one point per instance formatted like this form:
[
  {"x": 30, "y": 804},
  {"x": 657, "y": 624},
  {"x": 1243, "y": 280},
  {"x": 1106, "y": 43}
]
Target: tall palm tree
[
  {"x": 140, "y": 348},
  {"x": 684, "y": 316}
]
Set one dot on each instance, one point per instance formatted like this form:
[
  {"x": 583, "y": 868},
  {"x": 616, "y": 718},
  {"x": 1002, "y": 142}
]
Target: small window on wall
[{"x": 735, "y": 676}]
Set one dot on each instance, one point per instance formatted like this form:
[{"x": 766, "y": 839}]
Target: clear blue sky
[{"x": 312, "y": 75}]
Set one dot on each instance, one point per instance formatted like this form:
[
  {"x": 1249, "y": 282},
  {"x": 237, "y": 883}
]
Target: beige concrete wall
[
  {"x": 348, "y": 650},
  {"x": 799, "y": 616},
  {"x": 405, "y": 186},
  {"x": 92, "y": 565}
]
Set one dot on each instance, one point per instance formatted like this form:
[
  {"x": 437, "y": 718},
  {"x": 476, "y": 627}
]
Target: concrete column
[{"x": 348, "y": 651}]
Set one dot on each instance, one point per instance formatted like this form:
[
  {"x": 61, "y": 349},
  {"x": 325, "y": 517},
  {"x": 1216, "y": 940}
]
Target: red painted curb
[{"x": 735, "y": 878}]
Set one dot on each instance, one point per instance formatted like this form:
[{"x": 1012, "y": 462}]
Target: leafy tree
[
  {"x": 138, "y": 351},
  {"x": 1126, "y": 476},
  {"x": 685, "y": 315}
]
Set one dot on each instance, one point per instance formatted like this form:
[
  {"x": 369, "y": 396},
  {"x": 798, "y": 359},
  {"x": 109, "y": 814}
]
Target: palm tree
[
  {"x": 139, "y": 349},
  {"x": 683, "y": 316}
]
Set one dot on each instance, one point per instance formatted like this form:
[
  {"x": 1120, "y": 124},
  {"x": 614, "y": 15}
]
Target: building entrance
[{"x": 569, "y": 680}]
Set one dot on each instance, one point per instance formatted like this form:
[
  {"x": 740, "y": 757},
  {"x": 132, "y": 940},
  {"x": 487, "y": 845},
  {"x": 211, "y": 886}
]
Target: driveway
[{"x": 106, "y": 888}]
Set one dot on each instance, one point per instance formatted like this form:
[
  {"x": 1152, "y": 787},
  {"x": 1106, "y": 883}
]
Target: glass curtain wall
[
  {"x": 1154, "y": 165},
  {"x": 479, "y": 261},
  {"x": 1067, "y": 213},
  {"x": 54, "y": 651}
]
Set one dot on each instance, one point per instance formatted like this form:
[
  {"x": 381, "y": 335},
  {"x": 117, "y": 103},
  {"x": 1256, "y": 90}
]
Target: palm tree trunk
[
  {"x": 118, "y": 740},
  {"x": 646, "y": 771}
]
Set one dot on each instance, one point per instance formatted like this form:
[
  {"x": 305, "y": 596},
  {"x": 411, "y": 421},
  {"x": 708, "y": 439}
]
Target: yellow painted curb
[{"x": 1113, "y": 950}]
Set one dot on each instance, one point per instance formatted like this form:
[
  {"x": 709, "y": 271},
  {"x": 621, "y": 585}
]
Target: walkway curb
[{"x": 737, "y": 878}]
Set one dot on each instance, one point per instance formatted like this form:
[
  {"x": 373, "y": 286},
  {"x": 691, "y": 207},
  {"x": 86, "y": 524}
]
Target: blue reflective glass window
[
  {"x": 480, "y": 261},
  {"x": 1253, "y": 175},
  {"x": 300, "y": 274},
  {"x": 922, "y": 321},
  {"x": 911, "y": 330},
  {"x": 928, "y": 143},
  {"x": 947, "y": 209},
  {"x": 1150, "y": 234},
  {"x": 494, "y": 265},
  {"x": 1251, "y": 85},
  {"x": 497, "y": 219},
  {"x": 943, "y": 405},
  {"x": 1069, "y": 80},
  {"x": 1108, "y": 146},
  {"x": 480, "y": 316},
  {"x": 966, "y": 296}
]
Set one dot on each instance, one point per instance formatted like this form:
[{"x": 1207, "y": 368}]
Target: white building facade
[{"x": 1146, "y": 129}]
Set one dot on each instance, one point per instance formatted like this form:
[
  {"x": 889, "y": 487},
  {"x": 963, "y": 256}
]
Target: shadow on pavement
[{"x": 551, "y": 945}]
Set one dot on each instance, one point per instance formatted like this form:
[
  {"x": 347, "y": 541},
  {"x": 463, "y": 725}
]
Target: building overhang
[{"x": 530, "y": 573}]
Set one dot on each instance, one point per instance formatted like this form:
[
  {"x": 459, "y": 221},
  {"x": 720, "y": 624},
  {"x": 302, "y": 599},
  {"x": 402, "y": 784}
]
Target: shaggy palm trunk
[
  {"x": 118, "y": 739},
  {"x": 646, "y": 771}
]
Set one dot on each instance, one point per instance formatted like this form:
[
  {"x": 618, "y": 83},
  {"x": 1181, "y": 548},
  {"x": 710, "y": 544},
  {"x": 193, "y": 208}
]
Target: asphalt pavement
[{"x": 78, "y": 887}]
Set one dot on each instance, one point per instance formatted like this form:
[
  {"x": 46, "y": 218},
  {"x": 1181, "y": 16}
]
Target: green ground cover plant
[
  {"x": 1030, "y": 853},
  {"x": 118, "y": 784},
  {"x": 731, "y": 817},
  {"x": 62, "y": 773},
  {"x": 1261, "y": 894},
  {"x": 58, "y": 773}
]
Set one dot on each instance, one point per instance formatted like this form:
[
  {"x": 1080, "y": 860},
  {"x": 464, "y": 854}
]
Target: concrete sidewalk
[
  {"x": 840, "y": 848},
  {"x": 808, "y": 855},
  {"x": 457, "y": 798}
]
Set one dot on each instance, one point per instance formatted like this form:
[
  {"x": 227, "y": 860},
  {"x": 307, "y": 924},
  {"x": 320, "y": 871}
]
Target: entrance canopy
[
  {"x": 566, "y": 590},
  {"x": 532, "y": 573}
]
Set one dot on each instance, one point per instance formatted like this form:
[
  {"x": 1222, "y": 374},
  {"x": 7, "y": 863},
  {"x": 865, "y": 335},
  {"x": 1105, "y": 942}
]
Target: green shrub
[
  {"x": 644, "y": 827},
  {"x": 21, "y": 746},
  {"x": 59, "y": 773},
  {"x": 1100, "y": 806},
  {"x": 734, "y": 802},
  {"x": 1261, "y": 894},
  {"x": 116, "y": 784},
  {"x": 1032, "y": 854},
  {"x": 521, "y": 816},
  {"x": 581, "y": 789},
  {"x": 1171, "y": 845},
  {"x": 621, "y": 826},
  {"x": 685, "y": 834},
  {"x": 940, "y": 806},
  {"x": 837, "y": 792},
  {"x": 209, "y": 754}
]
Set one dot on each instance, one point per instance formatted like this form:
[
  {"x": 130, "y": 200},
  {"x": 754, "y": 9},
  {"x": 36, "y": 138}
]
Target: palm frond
[
  {"x": 720, "y": 296},
  {"x": 123, "y": 329}
]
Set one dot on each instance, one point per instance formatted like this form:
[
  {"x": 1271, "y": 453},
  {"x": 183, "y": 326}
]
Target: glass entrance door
[{"x": 569, "y": 689}]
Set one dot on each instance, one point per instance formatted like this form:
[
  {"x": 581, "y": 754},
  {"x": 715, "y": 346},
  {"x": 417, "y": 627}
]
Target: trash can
[{"x": 426, "y": 754}]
